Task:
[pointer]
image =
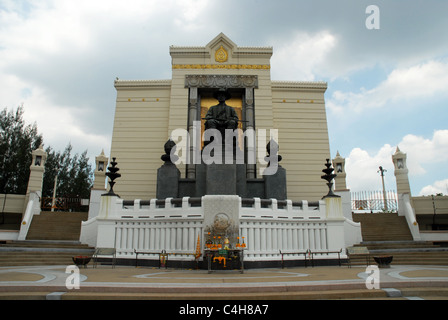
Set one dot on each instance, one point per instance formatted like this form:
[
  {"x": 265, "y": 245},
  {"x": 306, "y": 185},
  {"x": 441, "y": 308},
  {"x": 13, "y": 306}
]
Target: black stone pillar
[
  {"x": 275, "y": 185},
  {"x": 168, "y": 175},
  {"x": 275, "y": 175}
]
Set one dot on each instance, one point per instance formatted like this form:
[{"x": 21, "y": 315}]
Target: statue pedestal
[
  {"x": 275, "y": 185},
  {"x": 335, "y": 223},
  {"x": 168, "y": 181},
  {"x": 221, "y": 179}
]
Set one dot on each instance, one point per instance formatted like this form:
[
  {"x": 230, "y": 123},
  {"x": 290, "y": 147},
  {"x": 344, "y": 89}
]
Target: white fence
[
  {"x": 172, "y": 225},
  {"x": 175, "y": 225},
  {"x": 155, "y": 236},
  {"x": 294, "y": 227}
]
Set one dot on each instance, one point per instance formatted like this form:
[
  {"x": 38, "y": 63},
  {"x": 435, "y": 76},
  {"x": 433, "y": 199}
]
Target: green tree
[
  {"x": 17, "y": 141},
  {"x": 75, "y": 175}
]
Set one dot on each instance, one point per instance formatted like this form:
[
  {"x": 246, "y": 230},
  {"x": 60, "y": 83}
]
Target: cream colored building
[{"x": 147, "y": 112}]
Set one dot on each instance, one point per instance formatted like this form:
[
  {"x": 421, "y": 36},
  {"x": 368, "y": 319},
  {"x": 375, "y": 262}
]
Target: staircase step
[
  {"x": 38, "y": 252},
  {"x": 380, "y": 245},
  {"x": 383, "y": 226},
  {"x": 56, "y": 226},
  {"x": 44, "y": 244},
  {"x": 404, "y": 252}
]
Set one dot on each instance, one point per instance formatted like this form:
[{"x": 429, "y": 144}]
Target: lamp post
[
  {"x": 53, "y": 203},
  {"x": 384, "y": 188}
]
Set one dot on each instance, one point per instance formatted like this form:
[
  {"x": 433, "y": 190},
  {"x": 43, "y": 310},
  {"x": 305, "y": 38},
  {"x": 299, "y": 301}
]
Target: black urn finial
[
  {"x": 112, "y": 174},
  {"x": 329, "y": 176},
  {"x": 169, "y": 157},
  {"x": 272, "y": 149}
]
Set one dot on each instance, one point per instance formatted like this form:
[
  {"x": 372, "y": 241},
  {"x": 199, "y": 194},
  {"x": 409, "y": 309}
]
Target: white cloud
[
  {"x": 440, "y": 186},
  {"x": 61, "y": 124},
  {"x": 301, "y": 57},
  {"x": 362, "y": 169},
  {"x": 422, "y": 153},
  {"x": 49, "y": 30},
  {"x": 190, "y": 13},
  {"x": 419, "y": 81},
  {"x": 59, "y": 57},
  {"x": 56, "y": 57}
]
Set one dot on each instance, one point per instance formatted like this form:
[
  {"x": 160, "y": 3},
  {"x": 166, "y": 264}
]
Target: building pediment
[{"x": 220, "y": 50}]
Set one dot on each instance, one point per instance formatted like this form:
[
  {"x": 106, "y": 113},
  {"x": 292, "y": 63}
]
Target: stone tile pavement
[{"x": 105, "y": 282}]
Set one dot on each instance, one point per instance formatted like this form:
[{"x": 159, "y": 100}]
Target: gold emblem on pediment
[{"x": 221, "y": 55}]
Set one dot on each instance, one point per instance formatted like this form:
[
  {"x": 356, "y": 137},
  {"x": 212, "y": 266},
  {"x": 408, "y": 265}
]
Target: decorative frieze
[
  {"x": 221, "y": 81},
  {"x": 223, "y": 66}
]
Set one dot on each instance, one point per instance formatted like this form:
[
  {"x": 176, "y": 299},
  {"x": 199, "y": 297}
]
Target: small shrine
[{"x": 223, "y": 245}]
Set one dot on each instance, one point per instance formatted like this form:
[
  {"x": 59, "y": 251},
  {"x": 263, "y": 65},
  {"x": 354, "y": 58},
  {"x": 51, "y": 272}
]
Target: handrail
[
  {"x": 410, "y": 216},
  {"x": 32, "y": 207},
  {"x": 26, "y": 222}
]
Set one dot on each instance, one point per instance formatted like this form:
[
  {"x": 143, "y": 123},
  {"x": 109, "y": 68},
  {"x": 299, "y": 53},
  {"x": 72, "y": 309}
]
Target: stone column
[
  {"x": 250, "y": 125},
  {"x": 401, "y": 172},
  {"x": 192, "y": 116},
  {"x": 340, "y": 179},
  {"x": 99, "y": 184},
  {"x": 100, "y": 172},
  {"x": 37, "y": 170}
]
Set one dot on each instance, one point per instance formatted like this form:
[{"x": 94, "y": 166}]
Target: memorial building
[
  {"x": 218, "y": 165},
  {"x": 148, "y": 111}
]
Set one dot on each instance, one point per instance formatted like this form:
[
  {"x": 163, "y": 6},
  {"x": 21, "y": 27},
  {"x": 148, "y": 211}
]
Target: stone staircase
[
  {"x": 383, "y": 227},
  {"x": 56, "y": 226},
  {"x": 403, "y": 252},
  {"x": 387, "y": 234},
  {"x": 53, "y": 239},
  {"x": 41, "y": 252}
]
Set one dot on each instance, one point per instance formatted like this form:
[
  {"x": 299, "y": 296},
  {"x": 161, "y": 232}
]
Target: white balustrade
[
  {"x": 174, "y": 225},
  {"x": 172, "y": 236}
]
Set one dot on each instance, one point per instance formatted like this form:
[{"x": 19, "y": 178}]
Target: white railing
[
  {"x": 265, "y": 239},
  {"x": 172, "y": 225},
  {"x": 293, "y": 227},
  {"x": 154, "y": 236},
  {"x": 32, "y": 208},
  {"x": 405, "y": 209},
  {"x": 184, "y": 208},
  {"x": 175, "y": 225}
]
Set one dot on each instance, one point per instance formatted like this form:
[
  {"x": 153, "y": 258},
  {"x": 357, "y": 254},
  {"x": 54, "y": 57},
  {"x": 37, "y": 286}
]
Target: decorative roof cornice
[
  {"x": 200, "y": 49},
  {"x": 322, "y": 85},
  {"x": 141, "y": 83}
]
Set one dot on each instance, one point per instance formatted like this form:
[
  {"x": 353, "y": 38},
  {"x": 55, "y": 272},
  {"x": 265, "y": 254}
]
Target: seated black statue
[{"x": 221, "y": 116}]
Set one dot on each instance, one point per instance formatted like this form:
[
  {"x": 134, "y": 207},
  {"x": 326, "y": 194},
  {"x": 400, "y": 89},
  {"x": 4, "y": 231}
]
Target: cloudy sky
[{"x": 387, "y": 87}]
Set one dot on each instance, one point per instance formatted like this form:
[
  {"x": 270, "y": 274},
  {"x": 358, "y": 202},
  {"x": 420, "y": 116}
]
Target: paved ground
[{"x": 105, "y": 282}]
